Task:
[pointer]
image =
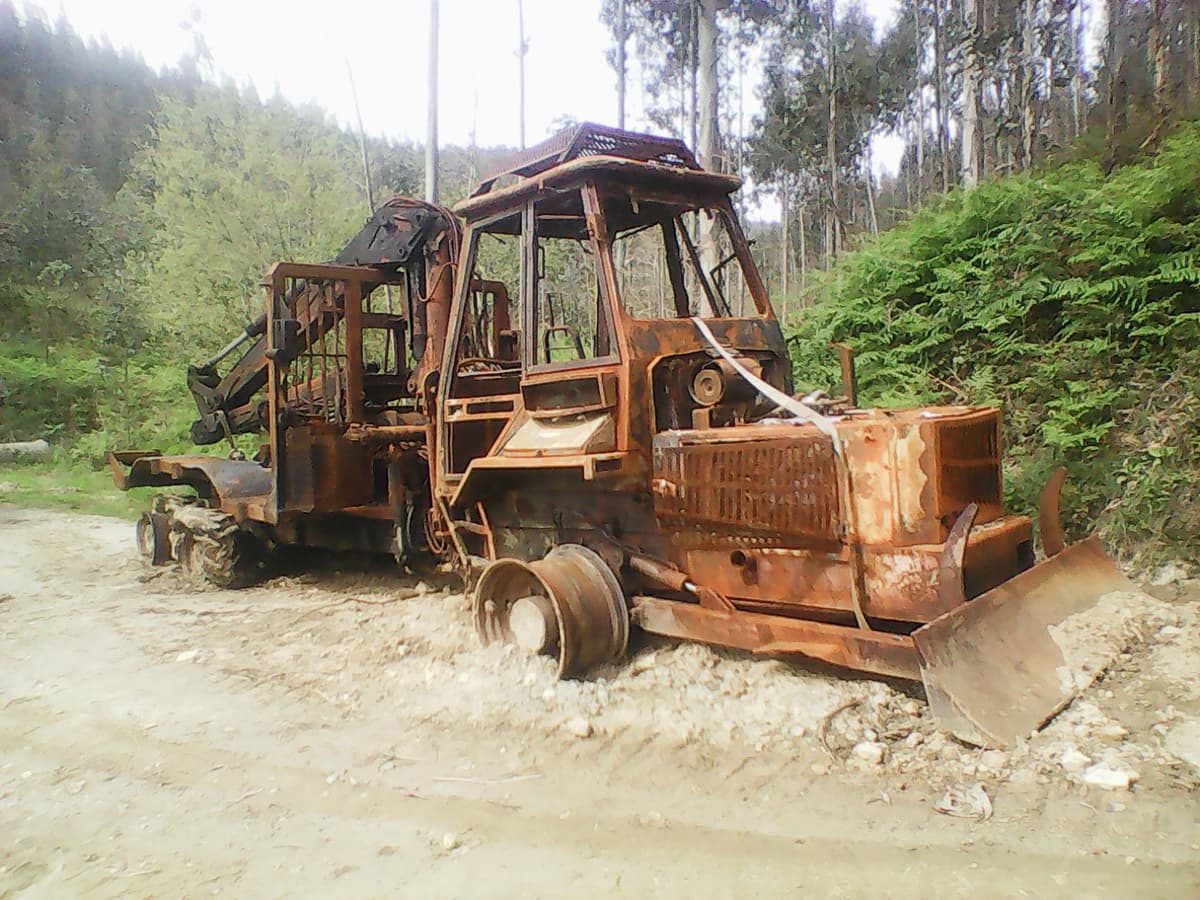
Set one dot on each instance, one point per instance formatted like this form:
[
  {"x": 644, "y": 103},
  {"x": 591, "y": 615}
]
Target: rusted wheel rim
[
  {"x": 568, "y": 605},
  {"x": 153, "y": 542},
  {"x": 145, "y": 537}
]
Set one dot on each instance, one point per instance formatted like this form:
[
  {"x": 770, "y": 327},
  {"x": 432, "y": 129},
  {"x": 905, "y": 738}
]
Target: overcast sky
[{"x": 302, "y": 48}]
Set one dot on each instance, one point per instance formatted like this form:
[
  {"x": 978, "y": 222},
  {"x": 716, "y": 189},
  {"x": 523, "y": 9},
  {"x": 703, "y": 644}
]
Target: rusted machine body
[
  {"x": 596, "y": 419},
  {"x": 332, "y": 377},
  {"x": 660, "y": 436}
]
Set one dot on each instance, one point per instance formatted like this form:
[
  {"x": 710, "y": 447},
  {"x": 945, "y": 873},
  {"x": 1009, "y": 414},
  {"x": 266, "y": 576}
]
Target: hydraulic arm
[{"x": 403, "y": 234}]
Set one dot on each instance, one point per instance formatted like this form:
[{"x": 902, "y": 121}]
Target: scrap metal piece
[
  {"x": 849, "y": 376},
  {"x": 951, "y": 590},
  {"x": 877, "y": 652},
  {"x": 993, "y": 668}
]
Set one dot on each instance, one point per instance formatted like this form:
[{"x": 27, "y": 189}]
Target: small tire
[{"x": 153, "y": 538}]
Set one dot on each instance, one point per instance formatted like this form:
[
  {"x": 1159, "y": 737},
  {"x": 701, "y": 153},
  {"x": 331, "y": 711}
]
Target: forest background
[{"x": 1037, "y": 247}]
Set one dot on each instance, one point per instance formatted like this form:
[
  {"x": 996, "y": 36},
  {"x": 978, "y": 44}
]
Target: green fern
[{"x": 1074, "y": 301}]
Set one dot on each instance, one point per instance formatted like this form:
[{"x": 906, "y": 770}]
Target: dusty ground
[{"x": 320, "y": 736}]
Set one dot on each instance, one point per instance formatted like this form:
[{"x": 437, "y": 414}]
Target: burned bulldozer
[
  {"x": 597, "y": 420},
  {"x": 643, "y": 461},
  {"x": 331, "y": 374}
]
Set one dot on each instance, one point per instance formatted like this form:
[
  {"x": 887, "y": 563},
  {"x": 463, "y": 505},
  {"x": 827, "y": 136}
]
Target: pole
[
  {"x": 431, "y": 122},
  {"x": 621, "y": 64},
  {"x": 362, "y": 143},
  {"x": 521, "y": 44}
]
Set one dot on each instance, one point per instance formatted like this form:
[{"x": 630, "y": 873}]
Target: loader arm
[{"x": 401, "y": 234}]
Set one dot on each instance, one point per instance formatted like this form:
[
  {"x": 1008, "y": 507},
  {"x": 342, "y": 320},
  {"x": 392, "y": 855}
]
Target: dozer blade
[{"x": 999, "y": 666}]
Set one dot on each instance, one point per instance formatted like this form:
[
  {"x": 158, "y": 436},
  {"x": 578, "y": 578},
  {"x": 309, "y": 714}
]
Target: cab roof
[{"x": 596, "y": 152}]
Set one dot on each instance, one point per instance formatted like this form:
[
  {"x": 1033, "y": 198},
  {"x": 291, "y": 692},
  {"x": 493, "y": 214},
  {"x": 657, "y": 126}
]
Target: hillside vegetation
[
  {"x": 139, "y": 209},
  {"x": 1071, "y": 298},
  {"x": 138, "y": 212}
]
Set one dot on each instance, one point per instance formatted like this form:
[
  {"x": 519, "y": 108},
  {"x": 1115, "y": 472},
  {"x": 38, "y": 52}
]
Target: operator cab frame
[{"x": 591, "y": 318}]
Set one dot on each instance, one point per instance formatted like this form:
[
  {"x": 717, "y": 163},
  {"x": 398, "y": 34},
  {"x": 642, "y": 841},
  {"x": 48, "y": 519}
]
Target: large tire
[
  {"x": 211, "y": 546},
  {"x": 153, "y": 537}
]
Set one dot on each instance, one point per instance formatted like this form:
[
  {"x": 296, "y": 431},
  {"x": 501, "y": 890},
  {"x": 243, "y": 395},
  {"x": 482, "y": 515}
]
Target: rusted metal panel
[
  {"x": 867, "y": 651},
  {"x": 223, "y": 480},
  {"x": 323, "y": 471},
  {"x": 899, "y": 583}
]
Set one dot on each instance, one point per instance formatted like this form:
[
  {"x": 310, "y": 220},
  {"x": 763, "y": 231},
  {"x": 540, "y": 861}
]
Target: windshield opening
[{"x": 675, "y": 262}]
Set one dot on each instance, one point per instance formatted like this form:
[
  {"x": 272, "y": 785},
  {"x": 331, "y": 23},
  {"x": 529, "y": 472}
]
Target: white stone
[
  {"x": 187, "y": 656},
  {"x": 1073, "y": 761},
  {"x": 1109, "y": 777},
  {"x": 869, "y": 752},
  {"x": 451, "y": 841},
  {"x": 820, "y": 769},
  {"x": 1168, "y": 574},
  {"x": 994, "y": 760},
  {"x": 580, "y": 727},
  {"x": 1184, "y": 741},
  {"x": 914, "y": 740},
  {"x": 1112, "y": 732}
]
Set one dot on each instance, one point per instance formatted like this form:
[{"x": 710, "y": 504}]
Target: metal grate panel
[
  {"x": 969, "y": 462},
  {"x": 777, "y": 488},
  {"x": 589, "y": 139}
]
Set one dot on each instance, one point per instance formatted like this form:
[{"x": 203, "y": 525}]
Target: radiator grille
[
  {"x": 776, "y": 488},
  {"x": 969, "y": 462}
]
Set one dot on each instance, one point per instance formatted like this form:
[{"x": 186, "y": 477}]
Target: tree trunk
[
  {"x": 1029, "y": 124},
  {"x": 832, "y": 237},
  {"x": 785, "y": 240},
  {"x": 870, "y": 179},
  {"x": 710, "y": 138},
  {"x": 803, "y": 249},
  {"x": 693, "y": 72},
  {"x": 1158, "y": 47},
  {"x": 972, "y": 77},
  {"x": 1077, "y": 51},
  {"x": 708, "y": 144},
  {"x": 920, "y": 44},
  {"x": 943, "y": 112},
  {"x": 906, "y": 167}
]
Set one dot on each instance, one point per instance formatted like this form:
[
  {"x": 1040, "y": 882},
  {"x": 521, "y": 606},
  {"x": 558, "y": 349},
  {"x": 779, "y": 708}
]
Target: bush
[
  {"x": 48, "y": 394},
  {"x": 1071, "y": 299}
]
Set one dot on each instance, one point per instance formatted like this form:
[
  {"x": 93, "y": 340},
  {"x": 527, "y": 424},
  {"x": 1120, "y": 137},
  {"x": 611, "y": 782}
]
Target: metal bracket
[
  {"x": 1049, "y": 523},
  {"x": 950, "y": 589}
]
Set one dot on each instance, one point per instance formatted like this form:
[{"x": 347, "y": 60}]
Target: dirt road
[{"x": 330, "y": 735}]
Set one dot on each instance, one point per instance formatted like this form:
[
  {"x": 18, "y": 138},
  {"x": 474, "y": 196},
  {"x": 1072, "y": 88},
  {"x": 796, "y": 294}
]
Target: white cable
[{"x": 776, "y": 396}]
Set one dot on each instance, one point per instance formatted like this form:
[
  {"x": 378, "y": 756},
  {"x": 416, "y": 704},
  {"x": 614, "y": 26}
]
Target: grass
[{"x": 58, "y": 484}]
